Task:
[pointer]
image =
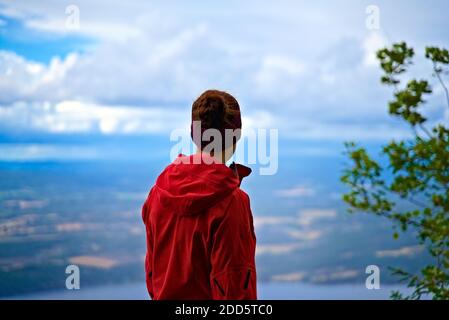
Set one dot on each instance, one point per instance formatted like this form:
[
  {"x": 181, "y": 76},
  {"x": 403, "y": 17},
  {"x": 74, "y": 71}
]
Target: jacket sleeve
[
  {"x": 149, "y": 254},
  {"x": 233, "y": 271}
]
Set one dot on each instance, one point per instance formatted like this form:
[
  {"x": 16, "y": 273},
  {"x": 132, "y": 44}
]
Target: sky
[{"x": 114, "y": 68}]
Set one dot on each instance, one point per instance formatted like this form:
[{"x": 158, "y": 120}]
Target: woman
[{"x": 200, "y": 233}]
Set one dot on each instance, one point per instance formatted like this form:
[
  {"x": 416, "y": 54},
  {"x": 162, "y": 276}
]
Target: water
[
  {"x": 266, "y": 291},
  {"x": 53, "y": 214}
]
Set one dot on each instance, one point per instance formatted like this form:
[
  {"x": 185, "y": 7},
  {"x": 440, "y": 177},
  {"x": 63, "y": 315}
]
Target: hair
[{"x": 217, "y": 110}]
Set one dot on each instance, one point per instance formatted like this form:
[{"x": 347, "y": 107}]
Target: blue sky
[
  {"x": 36, "y": 45},
  {"x": 305, "y": 68}
]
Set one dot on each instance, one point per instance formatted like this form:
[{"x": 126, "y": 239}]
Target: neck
[{"x": 219, "y": 157}]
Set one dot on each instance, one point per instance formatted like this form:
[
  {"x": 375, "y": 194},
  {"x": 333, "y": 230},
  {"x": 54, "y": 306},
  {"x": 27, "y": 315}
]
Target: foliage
[{"x": 409, "y": 183}]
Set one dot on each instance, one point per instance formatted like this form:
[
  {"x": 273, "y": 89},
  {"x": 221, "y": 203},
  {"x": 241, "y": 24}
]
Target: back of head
[{"x": 217, "y": 110}]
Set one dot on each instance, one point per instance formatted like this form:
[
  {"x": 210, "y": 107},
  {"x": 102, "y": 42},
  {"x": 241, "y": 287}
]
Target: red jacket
[{"x": 200, "y": 233}]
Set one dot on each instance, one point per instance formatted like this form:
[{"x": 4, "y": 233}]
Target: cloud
[
  {"x": 261, "y": 221},
  {"x": 23, "y": 80},
  {"x": 308, "y": 216},
  {"x": 52, "y": 17},
  {"x": 70, "y": 227},
  {"x": 303, "y": 229},
  {"x": 289, "y": 277},
  {"x": 288, "y": 71},
  {"x": 373, "y": 42},
  {"x": 296, "y": 192},
  {"x": 409, "y": 251},
  {"x": 319, "y": 276},
  {"x": 275, "y": 69},
  {"x": 13, "y": 225},
  {"x": 80, "y": 117},
  {"x": 324, "y": 276},
  {"x": 276, "y": 249},
  {"x": 107, "y": 31},
  {"x": 93, "y": 261},
  {"x": 38, "y": 152},
  {"x": 26, "y": 204},
  {"x": 305, "y": 235}
]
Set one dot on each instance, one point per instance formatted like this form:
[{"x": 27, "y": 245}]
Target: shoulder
[
  {"x": 238, "y": 196},
  {"x": 236, "y": 206},
  {"x": 243, "y": 194},
  {"x": 231, "y": 205},
  {"x": 238, "y": 216}
]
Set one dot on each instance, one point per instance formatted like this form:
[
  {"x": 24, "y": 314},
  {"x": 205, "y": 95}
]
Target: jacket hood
[{"x": 193, "y": 184}]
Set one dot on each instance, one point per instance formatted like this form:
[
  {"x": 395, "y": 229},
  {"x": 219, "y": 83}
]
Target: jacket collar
[{"x": 240, "y": 171}]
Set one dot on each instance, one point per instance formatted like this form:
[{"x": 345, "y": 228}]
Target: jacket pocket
[
  {"x": 220, "y": 289},
  {"x": 247, "y": 278}
]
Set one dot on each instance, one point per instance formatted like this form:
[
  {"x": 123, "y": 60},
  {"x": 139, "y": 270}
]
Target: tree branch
[
  {"x": 437, "y": 73},
  {"x": 427, "y": 132}
]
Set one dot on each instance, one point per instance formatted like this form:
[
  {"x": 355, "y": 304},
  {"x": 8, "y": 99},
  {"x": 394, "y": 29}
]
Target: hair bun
[
  {"x": 212, "y": 112},
  {"x": 216, "y": 110}
]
